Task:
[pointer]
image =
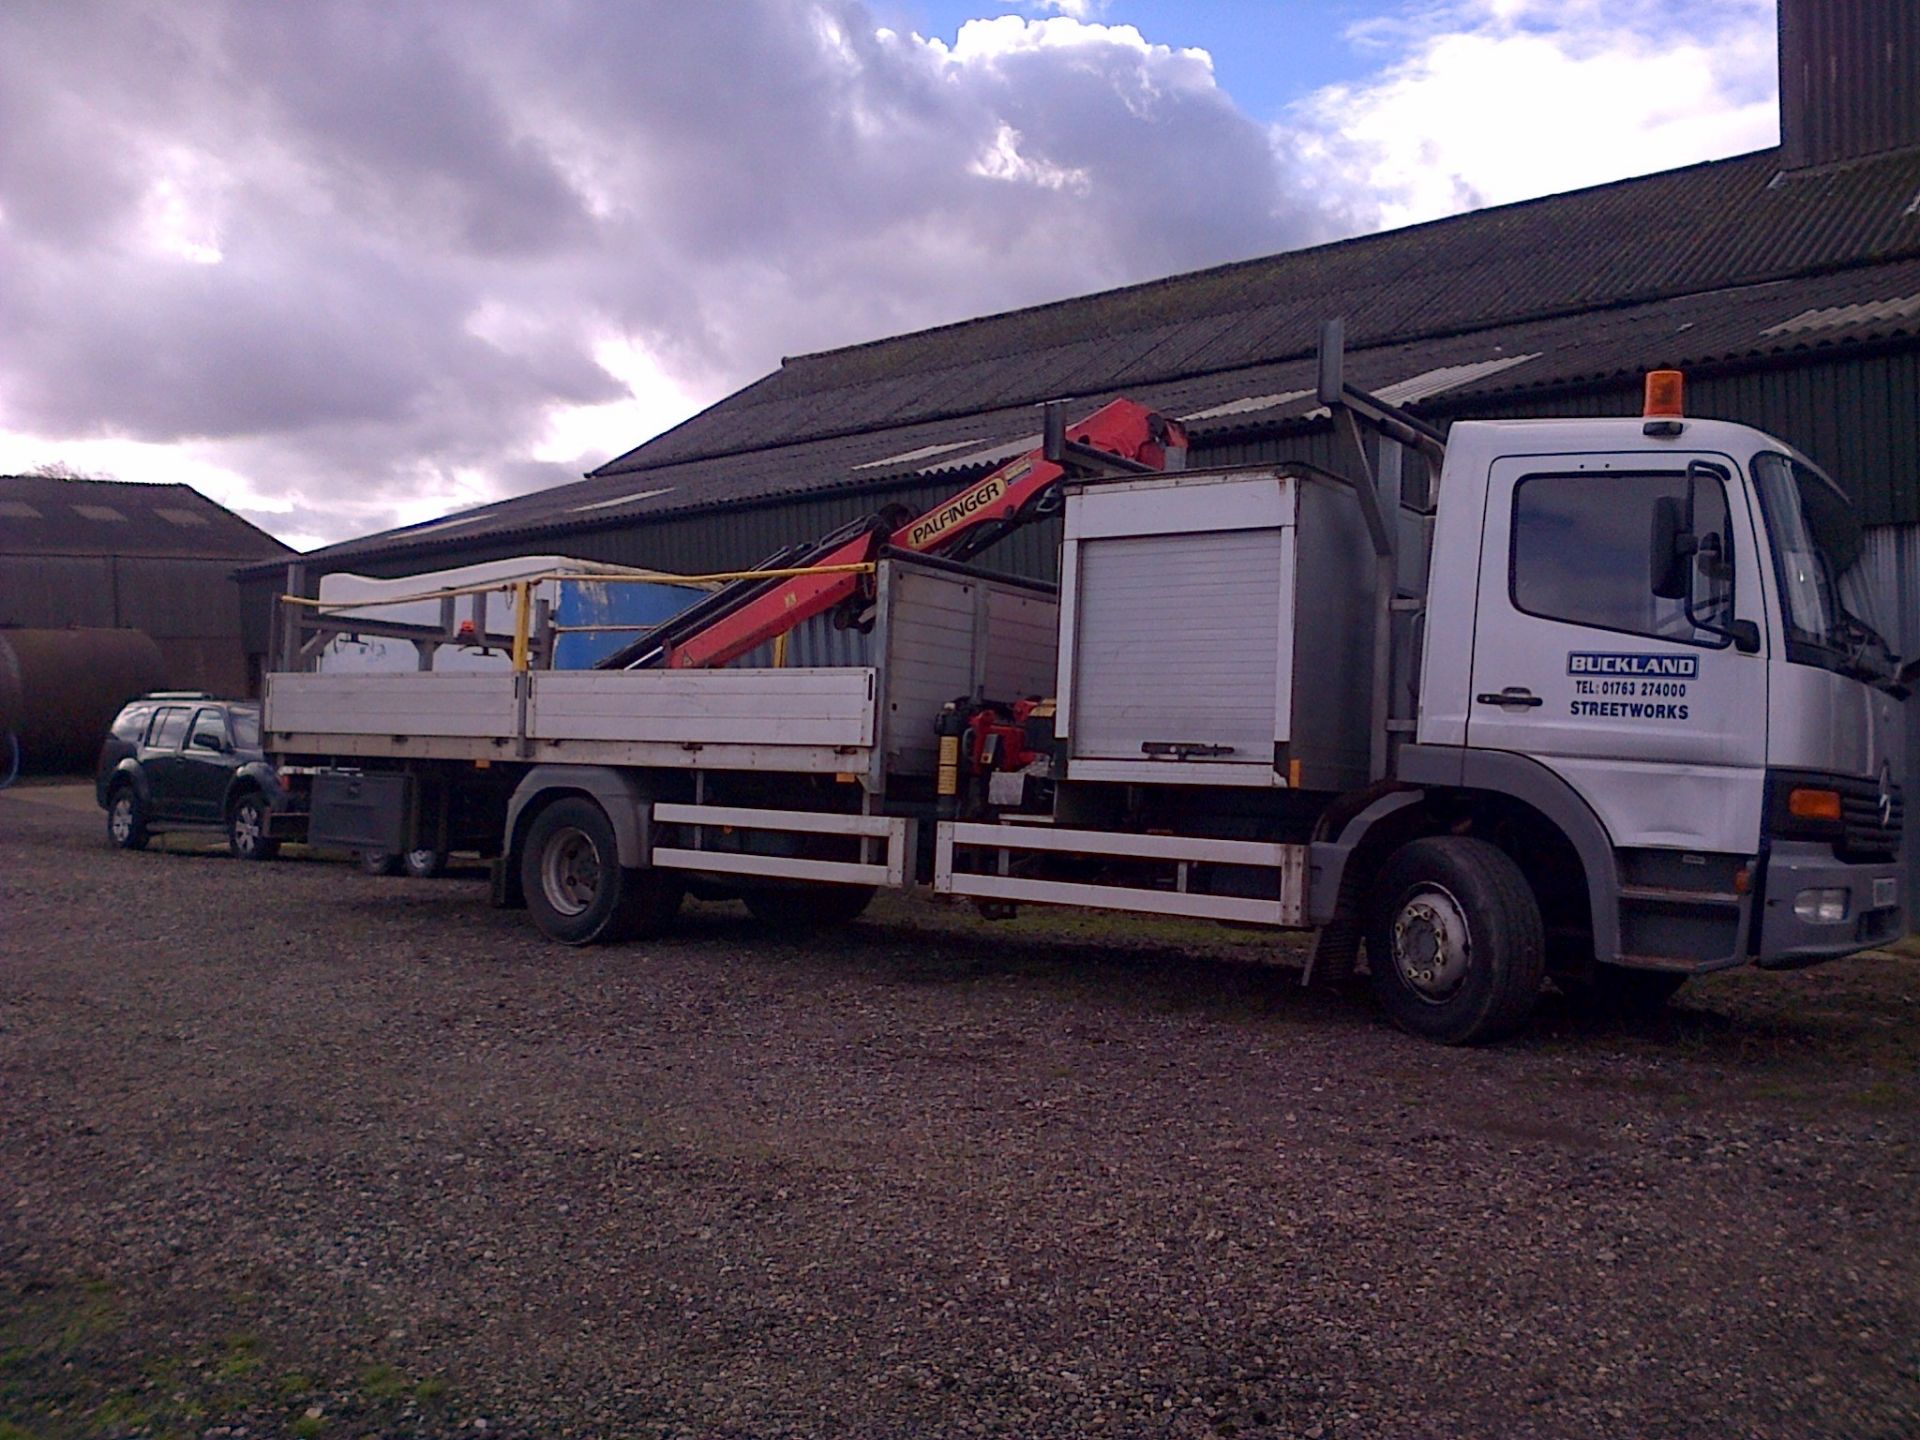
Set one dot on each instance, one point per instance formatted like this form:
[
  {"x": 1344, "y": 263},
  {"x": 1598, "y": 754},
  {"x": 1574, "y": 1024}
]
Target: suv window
[
  {"x": 132, "y": 723},
  {"x": 210, "y": 722},
  {"x": 246, "y": 727},
  {"x": 169, "y": 728},
  {"x": 1581, "y": 553}
]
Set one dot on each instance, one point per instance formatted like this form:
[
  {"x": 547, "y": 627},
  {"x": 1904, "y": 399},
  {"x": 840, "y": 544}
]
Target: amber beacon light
[
  {"x": 1665, "y": 403},
  {"x": 1666, "y": 393}
]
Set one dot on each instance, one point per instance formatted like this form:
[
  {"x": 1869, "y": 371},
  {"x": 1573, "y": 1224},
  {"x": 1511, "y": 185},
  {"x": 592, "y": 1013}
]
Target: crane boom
[{"x": 1122, "y": 434}]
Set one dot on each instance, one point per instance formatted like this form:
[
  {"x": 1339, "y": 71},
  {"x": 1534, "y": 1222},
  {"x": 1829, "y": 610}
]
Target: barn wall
[
  {"x": 1854, "y": 415},
  {"x": 191, "y": 607}
]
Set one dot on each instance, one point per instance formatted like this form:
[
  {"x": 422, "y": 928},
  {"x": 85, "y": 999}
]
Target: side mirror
[
  {"x": 210, "y": 742},
  {"x": 1670, "y": 548},
  {"x": 1715, "y": 555}
]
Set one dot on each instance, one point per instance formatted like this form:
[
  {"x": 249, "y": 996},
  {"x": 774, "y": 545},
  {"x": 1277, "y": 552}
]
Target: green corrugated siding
[{"x": 1858, "y": 416}]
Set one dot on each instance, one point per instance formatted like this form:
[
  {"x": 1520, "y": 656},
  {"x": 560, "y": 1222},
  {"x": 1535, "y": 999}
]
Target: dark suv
[{"x": 186, "y": 761}]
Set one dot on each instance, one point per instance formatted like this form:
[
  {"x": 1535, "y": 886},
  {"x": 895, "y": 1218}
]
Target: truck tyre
[
  {"x": 1455, "y": 947},
  {"x": 802, "y": 908},
  {"x": 577, "y": 891},
  {"x": 247, "y": 822},
  {"x": 127, "y": 819},
  {"x": 1623, "y": 992}
]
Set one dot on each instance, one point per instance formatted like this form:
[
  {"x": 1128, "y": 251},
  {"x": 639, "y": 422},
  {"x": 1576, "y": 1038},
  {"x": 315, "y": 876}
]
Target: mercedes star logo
[{"x": 1886, "y": 796}]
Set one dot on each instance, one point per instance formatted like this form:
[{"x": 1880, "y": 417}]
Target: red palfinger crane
[{"x": 1120, "y": 437}]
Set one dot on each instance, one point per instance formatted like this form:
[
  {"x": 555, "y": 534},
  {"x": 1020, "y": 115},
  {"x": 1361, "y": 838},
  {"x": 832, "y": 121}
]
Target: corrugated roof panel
[
  {"x": 1247, "y": 405},
  {"x": 618, "y": 500},
  {"x": 54, "y": 515},
  {"x": 1703, "y": 227},
  {"x": 1898, "y": 307},
  {"x": 1442, "y": 378},
  {"x": 922, "y": 452},
  {"x": 1724, "y": 325}
]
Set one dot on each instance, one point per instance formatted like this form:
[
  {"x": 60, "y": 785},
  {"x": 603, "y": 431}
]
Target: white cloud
[
  {"x": 1072, "y": 9},
  {"x": 1492, "y": 101},
  {"x": 346, "y": 265},
  {"x": 581, "y": 436},
  {"x": 353, "y": 264}
]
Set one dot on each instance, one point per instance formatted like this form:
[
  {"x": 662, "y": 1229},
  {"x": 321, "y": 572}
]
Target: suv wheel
[
  {"x": 126, "y": 819},
  {"x": 424, "y": 863},
  {"x": 247, "y": 830}
]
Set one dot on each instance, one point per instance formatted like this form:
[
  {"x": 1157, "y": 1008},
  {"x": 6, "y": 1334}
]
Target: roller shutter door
[{"x": 1177, "y": 639}]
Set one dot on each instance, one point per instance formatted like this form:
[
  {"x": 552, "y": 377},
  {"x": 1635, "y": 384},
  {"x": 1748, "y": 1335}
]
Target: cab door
[{"x": 1644, "y": 705}]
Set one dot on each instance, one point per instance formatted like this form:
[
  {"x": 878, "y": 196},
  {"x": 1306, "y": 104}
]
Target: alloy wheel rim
[{"x": 122, "y": 818}]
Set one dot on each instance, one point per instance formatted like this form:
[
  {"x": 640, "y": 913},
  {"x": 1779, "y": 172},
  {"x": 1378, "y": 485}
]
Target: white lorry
[{"x": 1599, "y": 705}]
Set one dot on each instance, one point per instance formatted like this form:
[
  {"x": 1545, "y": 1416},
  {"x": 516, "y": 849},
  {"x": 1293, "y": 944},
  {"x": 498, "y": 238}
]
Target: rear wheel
[
  {"x": 247, "y": 821},
  {"x": 1455, "y": 946},
  {"x": 808, "y": 907},
  {"x": 127, "y": 819},
  {"x": 578, "y": 892}
]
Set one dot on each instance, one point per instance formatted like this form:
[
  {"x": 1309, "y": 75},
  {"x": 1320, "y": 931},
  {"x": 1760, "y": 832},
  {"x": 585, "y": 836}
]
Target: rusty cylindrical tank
[{"x": 60, "y": 689}]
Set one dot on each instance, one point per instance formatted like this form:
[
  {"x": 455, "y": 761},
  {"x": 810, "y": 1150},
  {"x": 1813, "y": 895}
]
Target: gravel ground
[{"x": 286, "y": 1149}]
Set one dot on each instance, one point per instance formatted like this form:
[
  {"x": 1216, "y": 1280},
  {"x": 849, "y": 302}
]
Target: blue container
[{"x": 636, "y": 605}]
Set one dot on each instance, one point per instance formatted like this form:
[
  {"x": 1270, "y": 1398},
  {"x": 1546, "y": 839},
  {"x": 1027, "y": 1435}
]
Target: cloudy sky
[{"x": 349, "y": 265}]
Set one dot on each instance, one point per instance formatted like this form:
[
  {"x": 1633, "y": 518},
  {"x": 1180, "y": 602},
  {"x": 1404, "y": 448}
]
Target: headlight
[{"x": 1821, "y": 907}]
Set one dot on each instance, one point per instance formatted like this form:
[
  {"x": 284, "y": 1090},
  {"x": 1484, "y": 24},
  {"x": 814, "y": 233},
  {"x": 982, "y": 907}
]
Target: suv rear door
[
  {"x": 207, "y": 764},
  {"x": 160, "y": 761}
]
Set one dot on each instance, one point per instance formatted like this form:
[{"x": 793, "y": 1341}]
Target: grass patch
[
  {"x": 80, "y": 1359},
  {"x": 383, "y": 1382}
]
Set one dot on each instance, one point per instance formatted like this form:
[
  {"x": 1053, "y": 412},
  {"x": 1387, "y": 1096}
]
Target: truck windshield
[{"x": 1817, "y": 552}]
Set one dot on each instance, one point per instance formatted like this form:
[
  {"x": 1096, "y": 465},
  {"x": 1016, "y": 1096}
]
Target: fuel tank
[{"x": 60, "y": 689}]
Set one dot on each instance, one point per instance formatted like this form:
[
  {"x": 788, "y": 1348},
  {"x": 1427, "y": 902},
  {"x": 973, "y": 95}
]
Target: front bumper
[{"x": 1875, "y": 911}]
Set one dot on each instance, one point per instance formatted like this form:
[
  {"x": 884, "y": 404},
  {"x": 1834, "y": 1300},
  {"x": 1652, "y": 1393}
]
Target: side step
[{"x": 1286, "y": 908}]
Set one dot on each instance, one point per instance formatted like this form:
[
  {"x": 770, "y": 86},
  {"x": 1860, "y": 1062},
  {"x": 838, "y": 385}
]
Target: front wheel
[
  {"x": 247, "y": 836},
  {"x": 127, "y": 819},
  {"x": 1455, "y": 947},
  {"x": 577, "y": 891}
]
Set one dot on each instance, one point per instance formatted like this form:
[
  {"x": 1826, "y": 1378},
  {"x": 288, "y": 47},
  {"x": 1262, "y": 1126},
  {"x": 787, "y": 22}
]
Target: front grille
[{"x": 1867, "y": 835}]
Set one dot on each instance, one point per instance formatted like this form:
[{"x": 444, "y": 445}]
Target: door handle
[{"x": 1514, "y": 696}]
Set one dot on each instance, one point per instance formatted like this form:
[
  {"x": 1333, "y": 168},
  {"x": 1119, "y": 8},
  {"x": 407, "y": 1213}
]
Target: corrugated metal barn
[
  {"x": 158, "y": 558},
  {"x": 1786, "y": 283}
]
